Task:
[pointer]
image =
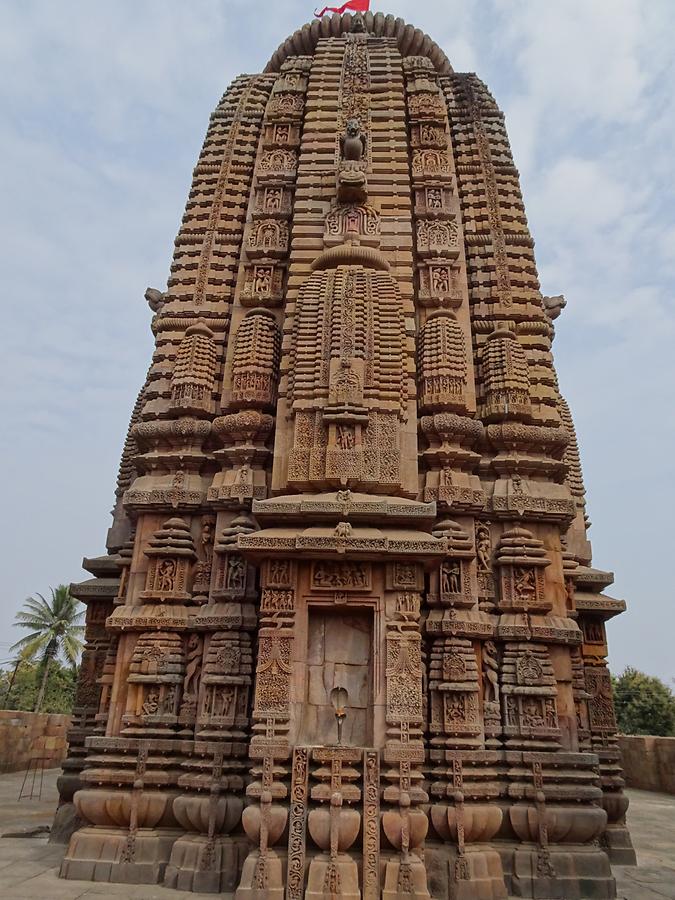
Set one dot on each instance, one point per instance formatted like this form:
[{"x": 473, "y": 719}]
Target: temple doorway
[{"x": 339, "y": 654}]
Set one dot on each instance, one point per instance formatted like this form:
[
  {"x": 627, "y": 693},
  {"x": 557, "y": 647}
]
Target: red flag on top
[{"x": 353, "y": 5}]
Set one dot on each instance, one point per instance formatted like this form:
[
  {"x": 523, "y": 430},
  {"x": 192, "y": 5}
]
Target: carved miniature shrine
[{"x": 347, "y": 640}]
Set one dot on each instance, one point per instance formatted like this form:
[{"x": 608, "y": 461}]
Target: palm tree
[{"x": 55, "y": 628}]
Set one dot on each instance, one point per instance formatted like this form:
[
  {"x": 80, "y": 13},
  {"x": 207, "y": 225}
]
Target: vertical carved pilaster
[
  {"x": 297, "y": 828},
  {"x": 371, "y": 825}
]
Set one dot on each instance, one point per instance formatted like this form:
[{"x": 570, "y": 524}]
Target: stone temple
[{"x": 347, "y": 640}]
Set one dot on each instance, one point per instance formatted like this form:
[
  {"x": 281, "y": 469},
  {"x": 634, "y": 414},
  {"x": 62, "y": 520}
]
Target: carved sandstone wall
[
  {"x": 26, "y": 737},
  {"x": 648, "y": 762},
  {"x": 350, "y": 493}
]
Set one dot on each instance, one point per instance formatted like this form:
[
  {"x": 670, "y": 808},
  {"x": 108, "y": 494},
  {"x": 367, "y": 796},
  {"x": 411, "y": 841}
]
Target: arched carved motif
[
  {"x": 345, "y": 220},
  {"x": 269, "y": 237},
  {"x": 437, "y": 237},
  {"x": 171, "y": 552}
]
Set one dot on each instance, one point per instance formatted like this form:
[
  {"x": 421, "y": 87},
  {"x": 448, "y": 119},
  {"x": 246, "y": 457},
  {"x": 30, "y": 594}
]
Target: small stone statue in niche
[
  {"x": 490, "y": 670},
  {"x": 345, "y": 437},
  {"x": 451, "y": 578},
  {"x": 483, "y": 547},
  {"x": 235, "y": 578},
  {"x": 194, "y": 664},
  {"x": 353, "y": 143}
]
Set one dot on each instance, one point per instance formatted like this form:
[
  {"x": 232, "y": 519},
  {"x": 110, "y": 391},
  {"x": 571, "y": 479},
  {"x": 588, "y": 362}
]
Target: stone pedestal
[
  {"x": 263, "y": 877},
  {"x": 203, "y": 865},
  {"x": 332, "y": 878},
  {"x": 109, "y": 854}
]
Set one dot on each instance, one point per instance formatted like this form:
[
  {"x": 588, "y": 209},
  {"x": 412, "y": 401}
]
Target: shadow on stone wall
[
  {"x": 649, "y": 762},
  {"x": 26, "y": 736}
]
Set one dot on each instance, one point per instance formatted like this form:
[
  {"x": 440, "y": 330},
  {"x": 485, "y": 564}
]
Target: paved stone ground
[{"x": 29, "y": 865}]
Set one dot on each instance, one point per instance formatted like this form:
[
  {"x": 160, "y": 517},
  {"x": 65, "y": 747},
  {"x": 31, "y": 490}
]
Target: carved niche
[
  {"x": 581, "y": 698},
  {"x": 429, "y": 134},
  {"x": 105, "y": 682},
  {"x": 285, "y": 106},
  {"x": 277, "y": 164},
  {"x": 437, "y": 237},
  {"x": 194, "y": 372},
  {"x": 433, "y": 201},
  {"x": 594, "y": 632},
  {"x": 442, "y": 364},
  {"x": 273, "y": 200},
  {"x": 255, "y": 365},
  {"x": 202, "y": 570},
  {"x": 269, "y": 237},
  {"x": 506, "y": 378},
  {"x": 453, "y": 682},
  {"x": 440, "y": 284},
  {"x": 155, "y": 679},
  {"x": 234, "y": 577},
  {"x": 521, "y": 559},
  {"x": 278, "y": 595},
  {"x": 282, "y": 134},
  {"x": 486, "y": 581},
  {"x": 529, "y": 691},
  {"x": 345, "y": 221},
  {"x": 171, "y": 552},
  {"x": 263, "y": 285},
  {"x": 427, "y": 106},
  {"x": 225, "y": 684},
  {"x": 451, "y": 584},
  {"x": 431, "y": 163}
]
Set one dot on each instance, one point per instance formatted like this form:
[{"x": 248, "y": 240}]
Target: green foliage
[
  {"x": 643, "y": 704},
  {"x": 59, "y": 690},
  {"x": 55, "y": 630},
  {"x": 55, "y": 626}
]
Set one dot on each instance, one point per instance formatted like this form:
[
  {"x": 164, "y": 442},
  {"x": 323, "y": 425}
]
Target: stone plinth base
[
  {"x": 328, "y": 879},
  {"x": 572, "y": 873},
  {"x": 65, "y": 824},
  {"x": 263, "y": 877},
  {"x": 615, "y": 841},
  {"x": 477, "y": 875},
  {"x": 203, "y": 866},
  {"x": 403, "y": 880},
  {"x": 66, "y": 820},
  {"x": 108, "y": 854}
]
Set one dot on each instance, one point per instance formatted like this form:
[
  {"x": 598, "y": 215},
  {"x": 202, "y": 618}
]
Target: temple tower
[{"x": 347, "y": 640}]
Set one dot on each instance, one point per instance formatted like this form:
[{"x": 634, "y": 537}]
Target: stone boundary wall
[
  {"x": 649, "y": 762},
  {"x": 25, "y": 736}
]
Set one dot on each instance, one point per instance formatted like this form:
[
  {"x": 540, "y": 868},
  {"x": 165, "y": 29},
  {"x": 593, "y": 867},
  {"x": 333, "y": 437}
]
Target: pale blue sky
[{"x": 104, "y": 107}]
